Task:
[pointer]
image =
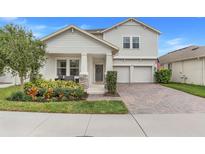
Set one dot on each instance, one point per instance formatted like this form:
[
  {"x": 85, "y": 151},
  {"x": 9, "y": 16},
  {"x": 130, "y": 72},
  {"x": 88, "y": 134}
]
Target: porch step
[{"x": 96, "y": 89}]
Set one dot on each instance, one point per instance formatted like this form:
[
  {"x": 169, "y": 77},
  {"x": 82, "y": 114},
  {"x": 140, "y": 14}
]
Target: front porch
[
  {"x": 89, "y": 68},
  {"x": 95, "y": 67}
]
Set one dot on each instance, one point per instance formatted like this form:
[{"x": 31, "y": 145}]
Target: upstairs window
[
  {"x": 61, "y": 67},
  {"x": 74, "y": 67},
  {"x": 126, "y": 42},
  {"x": 135, "y": 42}
]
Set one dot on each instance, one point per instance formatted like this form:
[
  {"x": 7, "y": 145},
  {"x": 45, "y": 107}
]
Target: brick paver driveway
[{"x": 154, "y": 98}]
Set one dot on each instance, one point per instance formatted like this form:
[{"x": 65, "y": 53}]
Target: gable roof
[
  {"x": 132, "y": 19},
  {"x": 95, "y": 31},
  {"x": 186, "y": 53},
  {"x": 82, "y": 31}
]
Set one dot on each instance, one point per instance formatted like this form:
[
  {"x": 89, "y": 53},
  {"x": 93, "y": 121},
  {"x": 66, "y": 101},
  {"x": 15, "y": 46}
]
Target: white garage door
[
  {"x": 142, "y": 74},
  {"x": 123, "y": 74}
]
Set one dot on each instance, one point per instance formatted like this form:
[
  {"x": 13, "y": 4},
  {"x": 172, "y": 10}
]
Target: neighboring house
[
  {"x": 129, "y": 47},
  {"x": 187, "y": 64}
]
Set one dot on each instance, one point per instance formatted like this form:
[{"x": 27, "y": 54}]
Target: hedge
[
  {"x": 111, "y": 81},
  {"x": 163, "y": 75}
]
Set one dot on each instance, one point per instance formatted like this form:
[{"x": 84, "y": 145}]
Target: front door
[{"x": 98, "y": 72}]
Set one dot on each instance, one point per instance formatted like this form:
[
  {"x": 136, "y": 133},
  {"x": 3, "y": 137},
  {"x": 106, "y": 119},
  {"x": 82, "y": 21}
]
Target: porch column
[
  {"x": 83, "y": 77},
  {"x": 84, "y": 64},
  {"x": 109, "y": 62}
]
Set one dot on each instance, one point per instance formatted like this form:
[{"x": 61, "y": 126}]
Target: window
[
  {"x": 135, "y": 42},
  {"x": 126, "y": 42},
  {"x": 61, "y": 67},
  {"x": 74, "y": 67}
]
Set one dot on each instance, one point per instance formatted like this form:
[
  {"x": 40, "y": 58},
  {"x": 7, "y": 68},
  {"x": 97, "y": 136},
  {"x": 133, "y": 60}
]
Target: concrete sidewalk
[
  {"x": 139, "y": 125},
  {"x": 51, "y": 124}
]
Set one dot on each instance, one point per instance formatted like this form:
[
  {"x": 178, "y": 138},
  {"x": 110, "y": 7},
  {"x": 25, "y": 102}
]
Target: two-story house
[{"x": 129, "y": 47}]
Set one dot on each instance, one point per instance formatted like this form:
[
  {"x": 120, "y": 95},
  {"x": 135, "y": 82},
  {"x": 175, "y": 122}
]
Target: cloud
[
  {"x": 173, "y": 44},
  {"x": 85, "y": 26},
  {"x": 8, "y": 19},
  {"x": 174, "y": 41}
]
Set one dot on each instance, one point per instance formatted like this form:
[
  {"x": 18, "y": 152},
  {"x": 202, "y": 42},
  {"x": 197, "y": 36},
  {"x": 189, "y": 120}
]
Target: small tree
[
  {"x": 2, "y": 64},
  {"x": 22, "y": 51},
  {"x": 163, "y": 75},
  {"x": 38, "y": 59},
  {"x": 111, "y": 82}
]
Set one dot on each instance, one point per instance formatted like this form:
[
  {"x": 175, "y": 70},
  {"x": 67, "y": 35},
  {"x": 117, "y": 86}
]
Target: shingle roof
[
  {"x": 189, "y": 52},
  {"x": 95, "y": 30}
]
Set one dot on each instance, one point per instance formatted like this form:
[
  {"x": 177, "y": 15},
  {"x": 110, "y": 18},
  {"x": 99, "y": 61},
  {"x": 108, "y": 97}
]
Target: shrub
[
  {"x": 59, "y": 93},
  {"x": 41, "y": 92},
  {"x": 51, "y": 84},
  {"x": 19, "y": 96},
  {"x": 27, "y": 86},
  {"x": 33, "y": 91},
  {"x": 27, "y": 98},
  {"x": 67, "y": 93},
  {"x": 40, "y": 99},
  {"x": 48, "y": 94},
  {"x": 163, "y": 75},
  {"x": 78, "y": 93},
  {"x": 111, "y": 82}
]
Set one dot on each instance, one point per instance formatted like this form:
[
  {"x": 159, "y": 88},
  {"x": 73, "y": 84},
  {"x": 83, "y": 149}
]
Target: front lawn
[
  {"x": 189, "y": 88},
  {"x": 101, "y": 107}
]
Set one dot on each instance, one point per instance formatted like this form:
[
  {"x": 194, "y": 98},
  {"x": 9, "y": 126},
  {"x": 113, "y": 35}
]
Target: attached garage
[
  {"x": 142, "y": 74},
  {"x": 123, "y": 74},
  {"x": 134, "y": 74}
]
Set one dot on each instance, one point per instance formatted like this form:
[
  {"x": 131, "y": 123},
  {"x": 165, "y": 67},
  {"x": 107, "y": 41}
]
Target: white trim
[
  {"x": 131, "y": 57},
  {"x": 116, "y": 65},
  {"x": 132, "y": 19}
]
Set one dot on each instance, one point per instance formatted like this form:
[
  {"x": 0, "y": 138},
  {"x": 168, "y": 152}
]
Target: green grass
[
  {"x": 98, "y": 107},
  {"x": 188, "y": 88}
]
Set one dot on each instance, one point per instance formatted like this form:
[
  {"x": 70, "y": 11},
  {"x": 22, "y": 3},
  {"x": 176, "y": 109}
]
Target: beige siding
[
  {"x": 99, "y": 35},
  {"x": 75, "y": 42},
  {"x": 193, "y": 70},
  {"x": 176, "y": 71},
  {"x": 148, "y": 40}
]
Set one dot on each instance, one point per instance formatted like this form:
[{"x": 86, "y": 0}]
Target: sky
[{"x": 177, "y": 32}]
